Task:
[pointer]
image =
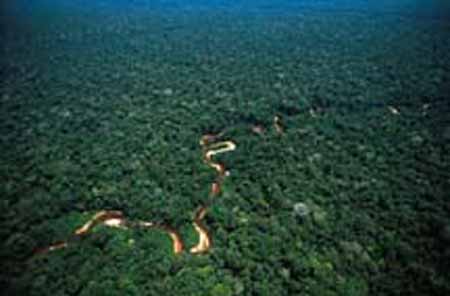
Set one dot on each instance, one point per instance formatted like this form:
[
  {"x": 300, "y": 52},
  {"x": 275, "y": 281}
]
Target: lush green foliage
[{"x": 108, "y": 115}]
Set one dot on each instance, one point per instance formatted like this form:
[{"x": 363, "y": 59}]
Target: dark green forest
[{"x": 103, "y": 108}]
